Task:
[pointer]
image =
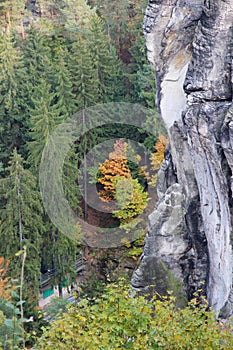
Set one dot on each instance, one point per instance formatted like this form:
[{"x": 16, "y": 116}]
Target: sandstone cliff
[{"x": 188, "y": 245}]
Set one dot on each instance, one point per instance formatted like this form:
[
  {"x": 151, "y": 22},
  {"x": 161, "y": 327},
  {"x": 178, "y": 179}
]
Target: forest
[{"x": 59, "y": 58}]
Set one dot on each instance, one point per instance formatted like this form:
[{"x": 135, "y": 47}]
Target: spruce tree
[
  {"x": 105, "y": 61},
  {"x": 85, "y": 89},
  {"x": 21, "y": 223},
  {"x": 84, "y": 77},
  {"x": 59, "y": 253},
  {"x": 51, "y": 105},
  {"x": 12, "y": 119},
  {"x": 76, "y": 15},
  {"x": 62, "y": 85},
  {"x": 45, "y": 116},
  {"x": 70, "y": 179},
  {"x": 37, "y": 60},
  {"x": 115, "y": 13}
]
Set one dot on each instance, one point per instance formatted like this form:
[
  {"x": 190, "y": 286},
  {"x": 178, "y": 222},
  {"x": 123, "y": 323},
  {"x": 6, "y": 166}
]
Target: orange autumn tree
[
  {"x": 120, "y": 185},
  {"x": 116, "y": 165},
  {"x": 158, "y": 157},
  {"x": 4, "y": 281}
]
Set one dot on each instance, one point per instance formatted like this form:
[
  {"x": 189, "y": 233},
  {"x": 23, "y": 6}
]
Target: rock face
[{"x": 190, "y": 46}]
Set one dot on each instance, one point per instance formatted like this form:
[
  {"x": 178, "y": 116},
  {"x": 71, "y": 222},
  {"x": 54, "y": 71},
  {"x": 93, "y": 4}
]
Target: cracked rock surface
[{"x": 190, "y": 46}]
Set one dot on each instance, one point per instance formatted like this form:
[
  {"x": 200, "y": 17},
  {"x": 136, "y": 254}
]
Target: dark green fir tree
[
  {"x": 45, "y": 115},
  {"x": 105, "y": 62},
  {"x": 12, "y": 118},
  {"x": 22, "y": 224}
]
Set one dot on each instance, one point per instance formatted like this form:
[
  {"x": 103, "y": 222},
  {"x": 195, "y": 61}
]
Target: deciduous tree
[
  {"x": 115, "y": 165},
  {"x": 117, "y": 321},
  {"x": 157, "y": 157}
]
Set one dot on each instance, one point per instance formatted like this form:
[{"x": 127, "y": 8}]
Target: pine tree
[
  {"x": 8, "y": 60},
  {"x": 59, "y": 251},
  {"x": 36, "y": 59},
  {"x": 65, "y": 104},
  {"x": 70, "y": 179},
  {"x": 21, "y": 222}
]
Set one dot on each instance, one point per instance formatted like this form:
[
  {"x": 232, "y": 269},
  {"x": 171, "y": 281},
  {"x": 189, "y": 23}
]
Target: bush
[{"x": 119, "y": 321}]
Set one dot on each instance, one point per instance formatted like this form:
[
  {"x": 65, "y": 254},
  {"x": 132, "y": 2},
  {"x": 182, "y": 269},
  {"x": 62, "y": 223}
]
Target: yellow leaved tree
[{"x": 157, "y": 158}]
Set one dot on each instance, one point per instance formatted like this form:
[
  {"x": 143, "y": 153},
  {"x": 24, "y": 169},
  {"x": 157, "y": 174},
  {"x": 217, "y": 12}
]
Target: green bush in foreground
[{"x": 117, "y": 321}]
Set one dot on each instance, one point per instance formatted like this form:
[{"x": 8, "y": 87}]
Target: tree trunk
[
  {"x": 60, "y": 293},
  {"x": 189, "y": 240}
]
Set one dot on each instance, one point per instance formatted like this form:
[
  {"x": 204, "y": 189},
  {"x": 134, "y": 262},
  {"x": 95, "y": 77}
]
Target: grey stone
[{"x": 190, "y": 231}]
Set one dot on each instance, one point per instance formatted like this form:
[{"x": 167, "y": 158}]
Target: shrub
[{"x": 119, "y": 321}]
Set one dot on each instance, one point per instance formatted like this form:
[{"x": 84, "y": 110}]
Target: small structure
[{"x": 47, "y": 291}]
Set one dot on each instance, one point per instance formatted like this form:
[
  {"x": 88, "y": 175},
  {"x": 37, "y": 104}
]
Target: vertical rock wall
[{"x": 190, "y": 231}]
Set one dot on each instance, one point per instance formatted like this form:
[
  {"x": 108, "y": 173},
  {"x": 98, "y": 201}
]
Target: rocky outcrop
[{"x": 190, "y": 231}]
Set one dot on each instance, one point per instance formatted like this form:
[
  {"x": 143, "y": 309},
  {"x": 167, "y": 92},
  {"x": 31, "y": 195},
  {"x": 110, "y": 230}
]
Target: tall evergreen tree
[
  {"x": 70, "y": 179},
  {"x": 45, "y": 116},
  {"x": 12, "y": 119},
  {"x": 52, "y": 104},
  {"x": 84, "y": 77},
  {"x": 105, "y": 62},
  {"x": 115, "y": 13},
  {"x": 62, "y": 85},
  {"x": 21, "y": 222},
  {"x": 59, "y": 252},
  {"x": 77, "y": 15},
  {"x": 85, "y": 89},
  {"x": 37, "y": 60}
]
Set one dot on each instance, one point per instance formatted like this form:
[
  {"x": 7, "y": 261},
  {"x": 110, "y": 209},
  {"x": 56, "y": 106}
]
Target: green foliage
[
  {"x": 12, "y": 130},
  {"x": 57, "y": 307},
  {"x": 10, "y": 325},
  {"x": 11, "y": 15},
  {"x": 136, "y": 247},
  {"x": 61, "y": 82},
  {"x": 77, "y": 15},
  {"x": 45, "y": 116},
  {"x": 84, "y": 77},
  {"x": 37, "y": 61},
  {"x": 21, "y": 222},
  {"x": 104, "y": 60},
  {"x": 119, "y": 321},
  {"x": 70, "y": 180},
  {"x": 130, "y": 197},
  {"x": 59, "y": 251},
  {"x": 11, "y": 311}
]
